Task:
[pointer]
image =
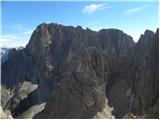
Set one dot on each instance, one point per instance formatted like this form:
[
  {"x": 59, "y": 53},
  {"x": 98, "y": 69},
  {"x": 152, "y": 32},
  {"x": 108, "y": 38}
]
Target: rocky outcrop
[
  {"x": 135, "y": 78},
  {"x": 5, "y": 95},
  {"x": 78, "y": 70},
  {"x": 28, "y": 114},
  {"x": 147, "y": 73},
  {"x": 5, "y": 114},
  {"x": 105, "y": 113},
  {"x": 129, "y": 116},
  {"x": 11, "y": 100}
]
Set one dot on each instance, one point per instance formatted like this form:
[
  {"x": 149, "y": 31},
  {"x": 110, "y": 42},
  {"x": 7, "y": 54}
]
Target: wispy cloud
[
  {"x": 89, "y": 9},
  {"x": 17, "y": 27},
  {"x": 7, "y": 38},
  {"x": 134, "y": 10},
  {"x": 10, "y": 40},
  {"x": 19, "y": 37},
  {"x": 27, "y": 32}
]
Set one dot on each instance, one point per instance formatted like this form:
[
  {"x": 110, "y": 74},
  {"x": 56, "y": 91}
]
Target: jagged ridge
[{"x": 83, "y": 68}]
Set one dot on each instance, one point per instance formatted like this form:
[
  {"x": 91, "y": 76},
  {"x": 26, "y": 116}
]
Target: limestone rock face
[
  {"x": 129, "y": 116},
  {"x": 28, "y": 114},
  {"x": 138, "y": 71},
  {"x": 147, "y": 78},
  {"x": 5, "y": 114},
  {"x": 78, "y": 70},
  {"x": 5, "y": 95}
]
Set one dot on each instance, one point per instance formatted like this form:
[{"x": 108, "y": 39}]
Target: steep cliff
[{"x": 85, "y": 74}]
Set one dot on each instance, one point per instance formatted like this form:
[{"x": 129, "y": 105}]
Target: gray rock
[{"x": 76, "y": 70}]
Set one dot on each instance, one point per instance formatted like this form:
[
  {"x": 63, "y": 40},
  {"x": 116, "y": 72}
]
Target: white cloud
[
  {"x": 19, "y": 28},
  {"x": 134, "y": 10},
  {"x": 27, "y": 32},
  {"x": 19, "y": 37},
  {"x": 6, "y": 38},
  {"x": 10, "y": 40},
  {"x": 89, "y": 9}
]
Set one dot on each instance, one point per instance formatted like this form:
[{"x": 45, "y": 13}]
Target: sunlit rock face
[
  {"x": 5, "y": 114},
  {"x": 85, "y": 74},
  {"x": 105, "y": 113},
  {"x": 28, "y": 114}
]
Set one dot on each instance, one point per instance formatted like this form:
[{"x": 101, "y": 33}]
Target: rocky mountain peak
[
  {"x": 57, "y": 36},
  {"x": 85, "y": 74},
  {"x": 146, "y": 37}
]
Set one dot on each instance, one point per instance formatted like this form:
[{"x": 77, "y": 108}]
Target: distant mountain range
[
  {"x": 4, "y": 53},
  {"x": 79, "y": 73}
]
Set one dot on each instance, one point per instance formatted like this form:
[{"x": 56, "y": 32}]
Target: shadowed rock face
[
  {"x": 137, "y": 72},
  {"x": 147, "y": 78},
  {"x": 76, "y": 70}
]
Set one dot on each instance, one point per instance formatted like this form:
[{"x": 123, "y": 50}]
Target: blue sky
[{"x": 20, "y": 18}]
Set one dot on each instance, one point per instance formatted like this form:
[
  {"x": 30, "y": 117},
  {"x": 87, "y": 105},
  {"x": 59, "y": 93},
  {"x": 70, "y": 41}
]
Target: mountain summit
[{"x": 82, "y": 73}]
